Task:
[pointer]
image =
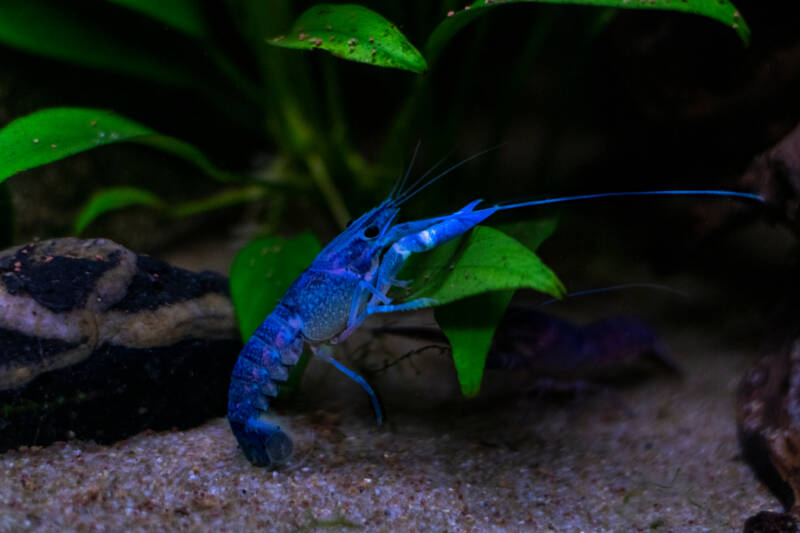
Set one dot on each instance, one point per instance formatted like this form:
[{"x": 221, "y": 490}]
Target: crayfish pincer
[{"x": 348, "y": 281}]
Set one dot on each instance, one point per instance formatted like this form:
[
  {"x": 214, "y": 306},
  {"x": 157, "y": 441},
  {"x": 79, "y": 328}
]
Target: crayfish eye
[{"x": 371, "y": 232}]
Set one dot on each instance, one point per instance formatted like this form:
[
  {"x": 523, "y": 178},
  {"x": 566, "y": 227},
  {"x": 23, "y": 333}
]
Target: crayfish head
[{"x": 359, "y": 246}]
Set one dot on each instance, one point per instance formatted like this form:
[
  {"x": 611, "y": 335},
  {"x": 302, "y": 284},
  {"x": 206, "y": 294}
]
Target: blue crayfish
[{"x": 347, "y": 282}]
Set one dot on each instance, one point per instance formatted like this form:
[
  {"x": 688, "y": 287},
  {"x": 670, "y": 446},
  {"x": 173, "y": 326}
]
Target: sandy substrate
[{"x": 658, "y": 456}]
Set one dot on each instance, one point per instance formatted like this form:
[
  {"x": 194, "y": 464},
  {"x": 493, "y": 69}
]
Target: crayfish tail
[
  {"x": 263, "y": 363},
  {"x": 263, "y": 443}
]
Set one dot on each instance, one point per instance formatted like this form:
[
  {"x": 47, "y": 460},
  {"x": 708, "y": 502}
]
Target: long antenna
[
  {"x": 399, "y": 184},
  {"x": 412, "y": 192},
  {"x": 621, "y": 286},
  {"x": 682, "y": 192}
]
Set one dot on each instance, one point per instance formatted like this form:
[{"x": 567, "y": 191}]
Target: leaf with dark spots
[
  {"x": 53, "y": 134},
  {"x": 352, "y": 32},
  {"x": 719, "y": 10}
]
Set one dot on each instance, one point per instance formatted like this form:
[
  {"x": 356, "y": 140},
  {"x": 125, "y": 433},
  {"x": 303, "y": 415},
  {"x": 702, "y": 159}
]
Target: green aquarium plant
[{"x": 296, "y": 105}]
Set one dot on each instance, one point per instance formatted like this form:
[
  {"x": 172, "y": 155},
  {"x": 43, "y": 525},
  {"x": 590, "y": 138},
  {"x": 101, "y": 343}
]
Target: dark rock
[
  {"x": 99, "y": 343},
  {"x": 768, "y": 522}
]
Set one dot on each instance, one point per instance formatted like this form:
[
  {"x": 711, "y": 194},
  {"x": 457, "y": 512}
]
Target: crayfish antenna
[
  {"x": 679, "y": 192},
  {"x": 399, "y": 184},
  {"x": 619, "y": 287},
  {"x": 416, "y": 188}
]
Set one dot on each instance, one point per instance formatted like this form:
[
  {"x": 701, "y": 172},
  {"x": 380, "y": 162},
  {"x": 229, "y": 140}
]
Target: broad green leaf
[
  {"x": 56, "y": 30},
  {"x": 111, "y": 200},
  {"x": 720, "y": 10},
  {"x": 486, "y": 260},
  {"x": 183, "y": 15},
  {"x": 52, "y": 134},
  {"x": 469, "y": 325},
  {"x": 261, "y": 273},
  {"x": 353, "y": 32}
]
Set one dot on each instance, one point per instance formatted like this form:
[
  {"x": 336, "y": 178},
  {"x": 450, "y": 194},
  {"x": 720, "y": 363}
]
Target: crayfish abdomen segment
[{"x": 263, "y": 362}]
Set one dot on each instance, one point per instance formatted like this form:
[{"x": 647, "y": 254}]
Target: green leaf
[
  {"x": 115, "y": 198},
  {"x": 469, "y": 325},
  {"x": 57, "y": 30},
  {"x": 353, "y": 32},
  {"x": 721, "y": 10},
  {"x": 486, "y": 260},
  {"x": 182, "y": 15},
  {"x": 52, "y": 134},
  {"x": 112, "y": 199},
  {"x": 263, "y": 271}
]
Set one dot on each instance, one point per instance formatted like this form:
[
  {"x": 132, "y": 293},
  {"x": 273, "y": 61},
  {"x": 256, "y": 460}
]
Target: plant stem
[
  {"x": 328, "y": 188},
  {"x": 218, "y": 201}
]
